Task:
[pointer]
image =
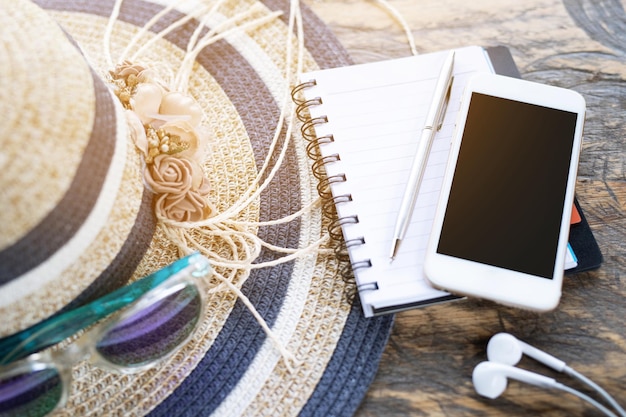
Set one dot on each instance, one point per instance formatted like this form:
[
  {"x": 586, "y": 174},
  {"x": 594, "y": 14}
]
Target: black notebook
[{"x": 362, "y": 123}]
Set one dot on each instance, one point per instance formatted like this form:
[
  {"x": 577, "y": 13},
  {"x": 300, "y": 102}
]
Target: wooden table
[{"x": 580, "y": 44}]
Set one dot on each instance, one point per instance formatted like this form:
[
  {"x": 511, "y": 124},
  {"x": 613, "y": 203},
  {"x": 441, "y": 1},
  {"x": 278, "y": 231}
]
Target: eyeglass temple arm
[{"x": 58, "y": 328}]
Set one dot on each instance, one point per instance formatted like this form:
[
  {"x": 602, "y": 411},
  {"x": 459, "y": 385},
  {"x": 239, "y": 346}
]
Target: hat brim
[{"x": 230, "y": 367}]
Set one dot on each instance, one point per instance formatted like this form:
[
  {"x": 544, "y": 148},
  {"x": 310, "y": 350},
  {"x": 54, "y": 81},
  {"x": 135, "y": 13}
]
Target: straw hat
[
  {"x": 75, "y": 214},
  {"x": 84, "y": 215}
]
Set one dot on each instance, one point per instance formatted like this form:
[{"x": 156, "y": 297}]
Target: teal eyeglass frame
[{"x": 19, "y": 353}]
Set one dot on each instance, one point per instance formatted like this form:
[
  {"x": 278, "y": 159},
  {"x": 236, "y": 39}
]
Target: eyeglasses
[{"x": 154, "y": 316}]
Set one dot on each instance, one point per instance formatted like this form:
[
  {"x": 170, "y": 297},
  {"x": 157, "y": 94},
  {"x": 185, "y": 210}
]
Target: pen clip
[{"x": 446, "y": 100}]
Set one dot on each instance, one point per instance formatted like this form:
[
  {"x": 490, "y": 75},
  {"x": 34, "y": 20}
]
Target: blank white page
[{"x": 376, "y": 112}]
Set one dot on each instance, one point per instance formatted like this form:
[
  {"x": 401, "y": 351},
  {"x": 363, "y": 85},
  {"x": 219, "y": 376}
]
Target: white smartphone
[{"x": 502, "y": 222}]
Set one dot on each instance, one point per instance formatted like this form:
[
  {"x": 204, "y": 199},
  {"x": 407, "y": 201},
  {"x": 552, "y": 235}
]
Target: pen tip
[{"x": 394, "y": 250}]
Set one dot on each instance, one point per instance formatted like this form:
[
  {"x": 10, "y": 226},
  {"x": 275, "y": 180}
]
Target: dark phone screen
[{"x": 506, "y": 202}]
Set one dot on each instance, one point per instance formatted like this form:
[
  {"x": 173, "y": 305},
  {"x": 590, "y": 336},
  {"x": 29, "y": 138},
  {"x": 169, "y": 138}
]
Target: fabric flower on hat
[
  {"x": 155, "y": 105},
  {"x": 137, "y": 131},
  {"x": 171, "y": 175},
  {"x": 127, "y": 69},
  {"x": 183, "y": 139},
  {"x": 177, "y": 106},
  {"x": 146, "y": 100},
  {"x": 184, "y": 207},
  {"x": 166, "y": 127},
  {"x": 181, "y": 188}
]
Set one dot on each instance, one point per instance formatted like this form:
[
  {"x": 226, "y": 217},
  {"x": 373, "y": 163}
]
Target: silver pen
[{"x": 434, "y": 120}]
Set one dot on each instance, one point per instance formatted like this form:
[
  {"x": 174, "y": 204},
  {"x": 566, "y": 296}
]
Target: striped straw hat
[{"x": 85, "y": 209}]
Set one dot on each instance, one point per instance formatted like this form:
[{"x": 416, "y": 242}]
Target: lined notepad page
[{"x": 376, "y": 113}]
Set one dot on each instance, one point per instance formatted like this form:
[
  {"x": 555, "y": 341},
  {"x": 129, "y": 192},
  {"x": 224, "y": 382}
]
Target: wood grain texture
[{"x": 578, "y": 44}]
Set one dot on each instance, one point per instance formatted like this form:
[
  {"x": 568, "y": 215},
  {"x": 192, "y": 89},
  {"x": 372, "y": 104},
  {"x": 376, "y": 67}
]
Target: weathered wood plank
[{"x": 579, "y": 44}]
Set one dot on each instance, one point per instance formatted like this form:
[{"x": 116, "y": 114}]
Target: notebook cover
[{"x": 581, "y": 237}]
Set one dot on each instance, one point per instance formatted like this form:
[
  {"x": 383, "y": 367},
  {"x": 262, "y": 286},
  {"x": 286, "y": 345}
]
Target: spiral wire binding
[
  {"x": 340, "y": 246},
  {"x": 311, "y": 147}
]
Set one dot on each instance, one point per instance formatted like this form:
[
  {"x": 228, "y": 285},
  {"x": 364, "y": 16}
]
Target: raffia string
[
  {"x": 402, "y": 22},
  {"x": 186, "y": 18},
  {"x": 290, "y": 360},
  {"x": 255, "y": 190},
  {"x": 242, "y": 244}
]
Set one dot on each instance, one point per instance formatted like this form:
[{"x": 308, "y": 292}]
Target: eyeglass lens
[
  {"x": 29, "y": 395},
  {"x": 153, "y": 332}
]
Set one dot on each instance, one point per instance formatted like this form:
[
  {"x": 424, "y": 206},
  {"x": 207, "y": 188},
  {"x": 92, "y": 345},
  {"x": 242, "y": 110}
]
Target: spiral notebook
[{"x": 362, "y": 123}]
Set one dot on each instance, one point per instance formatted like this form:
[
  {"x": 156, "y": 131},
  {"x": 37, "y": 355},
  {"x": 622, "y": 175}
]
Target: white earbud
[
  {"x": 507, "y": 349},
  {"x": 490, "y": 378}
]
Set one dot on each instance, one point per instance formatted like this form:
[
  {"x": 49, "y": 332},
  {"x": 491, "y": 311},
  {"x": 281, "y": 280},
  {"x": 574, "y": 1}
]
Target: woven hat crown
[{"x": 75, "y": 220}]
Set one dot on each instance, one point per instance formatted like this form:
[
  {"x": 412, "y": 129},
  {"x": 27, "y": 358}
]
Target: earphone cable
[
  {"x": 580, "y": 377},
  {"x": 585, "y": 397}
]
